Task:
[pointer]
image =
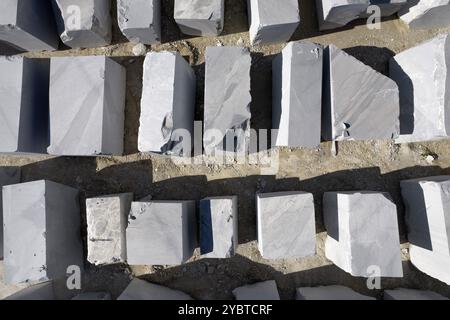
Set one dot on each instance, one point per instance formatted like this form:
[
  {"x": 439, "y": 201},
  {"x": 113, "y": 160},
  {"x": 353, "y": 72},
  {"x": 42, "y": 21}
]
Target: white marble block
[
  {"x": 107, "y": 219},
  {"x": 8, "y": 175},
  {"x": 363, "y": 236},
  {"x": 167, "y": 105},
  {"x": 329, "y": 293},
  {"x": 87, "y": 103},
  {"x": 266, "y": 290},
  {"x": 42, "y": 231},
  {"x": 286, "y": 225},
  {"x": 143, "y": 290},
  {"x": 200, "y": 17},
  {"x": 426, "y": 14},
  {"x": 161, "y": 232},
  {"x": 411, "y": 294}
]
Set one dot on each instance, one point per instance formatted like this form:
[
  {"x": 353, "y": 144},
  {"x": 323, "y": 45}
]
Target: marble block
[
  {"x": 143, "y": 290},
  {"x": 330, "y": 293},
  {"x": 93, "y": 296},
  {"x": 266, "y": 290},
  {"x": 426, "y": 14},
  {"x": 200, "y": 17},
  {"x": 37, "y": 292},
  {"x": 8, "y": 175},
  {"x": 411, "y": 294}
]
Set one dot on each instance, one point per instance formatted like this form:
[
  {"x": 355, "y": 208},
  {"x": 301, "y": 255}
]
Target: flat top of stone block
[
  {"x": 136, "y": 13},
  {"x": 330, "y": 293},
  {"x": 276, "y": 12},
  {"x": 266, "y": 290},
  {"x": 412, "y": 294},
  {"x": 198, "y": 9},
  {"x": 282, "y": 194},
  {"x": 220, "y": 198},
  {"x": 143, "y": 290}
]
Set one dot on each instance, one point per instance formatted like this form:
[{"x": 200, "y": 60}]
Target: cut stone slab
[
  {"x": 411, "y": 294},
  {"x": 272, "y": 21},
  {"x": 297, "y": 95},
  {"x": 91, "y": 296},
  {"x": 8, "y": 175},
  {"x": 161, "y": 232},
  {"x": 426, "y": 14},
  {"x": 28, "y": 25},
  {"x": 334, "y": 14},
  {"x": 218, "y": 227},
  {"x": 358, "y": 103},
  {"x": 200, "y": 17},
  {"x": 363, "y": 233},
  {"x": 107, "y": 220},
  {"x": 83, "y": 23},
  {"x": 87, "y": 103},
  {"x": 266, "y": 290},
  {"x": 286, "y": 225},
  {"x": 427, "y": 204},
  {"x": 41, "y": 291},
  {"x": 227, "y": 100},
  {"x": 330, "y": 293},
  {"x": 24, "y": 85},
  {"x": 167, "y": 105},
  {"x": 423, "y": 76},
  {"x": 41, "y": 231},
  {"x": 143, "y": 290},
  {"x": 140, "y": 20}
]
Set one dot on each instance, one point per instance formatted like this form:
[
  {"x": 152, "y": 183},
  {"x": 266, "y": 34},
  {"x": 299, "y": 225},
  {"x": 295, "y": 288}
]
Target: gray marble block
[
  {"x": 93, "y": 296},
  {"x": 28, "y": 25},
  {"x": 143, "y": 290},
  {"x": 426, "y": 14},
  {"x": 272, "y": 21},
  {"x": 286, "y": 225},
  {"x": 423, "y": 76},
  {"x": 140, "y": 20},
  {"x": 411, "y": 294},
  {"x": 83, "y": 23},
  {"x": 37, "y": 292},
  {"x": 266, "y": 290},
  {"x": 87, "y": 103},
  {"x": 200, "y": 17},
  {"x": 24, "y": 85},
  {"x": 218, "y": 227},
  {"x": 358, "y": 102},
  {"x": 297, "y": 95},
  {"x": 8, "y": 175},
  {"x": 363, "y": 236},
  {"x": 167, "y": 105},
  {"x": 107, "y": 220},
  {"x": 227, "y": 100},
  {"x": 42, "y": 231},
  {"x": 161, "y": 232},
  {"x": 329, "y": 293}
]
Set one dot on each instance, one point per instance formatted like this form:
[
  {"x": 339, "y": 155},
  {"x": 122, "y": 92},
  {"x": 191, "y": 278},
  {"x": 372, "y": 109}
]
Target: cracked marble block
[
  {"x": 143, "y": 290},
  {"x": 411, "y": 294},
  {"x": 200, "y": 17},
  {"x": 83, "y": 23},
  {"x": 363, "y": 235},
  {"x": 41, "y": 231},
  {"x": 423, "y": 76},
  {"x": 218, "y": 227},
  {"x": 358, "y": 102},
  {"x": 334, "y": 14},
  {"x": 37, "y": 292},
  {"x": 297, "y": 95},
  {"x": 8, "y": 175},
  {"x": 286, "y": 225},
  {"x": 272, "y": 21},
  {"x": 167, "y": 105},
  {"x": 427, "y": 204},
  {"x": 426, "y": 14},
  {"x": 227, "y": 100},
  {"x": 87, "y": 106},
  {"x": 266, "y": 290},
  {"x": 107, "y": 220},
  {"x": 329, "y": 293},
  {"x": 24, "y": 85},
  {"x": 28, "y": 25},
  {"x": 161, "y": 232},
  {"x": 140, "y": 20}
]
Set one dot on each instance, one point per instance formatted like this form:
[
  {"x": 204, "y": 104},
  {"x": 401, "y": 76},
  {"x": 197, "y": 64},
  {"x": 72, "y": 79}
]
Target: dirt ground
[{"x": 372, "y": 165}]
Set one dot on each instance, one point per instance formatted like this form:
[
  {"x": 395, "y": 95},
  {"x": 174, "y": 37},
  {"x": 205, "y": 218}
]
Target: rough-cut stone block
[
  {"x": 411, "y": 294},
  {"x": 272, "y": 21},
  {"x": 93, "y": 296},
  {"x": 363, "y": 234},
  {"x": 427, "y": 203},
  {"x": 167, "y": 105},
  {"x": 42, "y": 231},
  {"x": 227, "y": 100},
  {"x": 83, "y": 23},
  {"x": 41, "y": 291},
  {"x": 8, "y": 175},
  {"x": 140, "y": 20},
  {"x": 330, "y": 293},
  {"x": 423, "y": 77},
  {"x": 359, "y": 103},
  {"x": 161, "y": 232},
  {"x": 107, "y": 220},
  {"x": 87, "y": 103},
  {"x": 24, "y": 85},
  {"x": 286, "y": 225},
  {"x": 28, "y": 25},
  {"x": 266, "y": 290},
  {"x": 297, "y": 95},
  {"x": 143, "y": 290},
  {"x": 200, "y": 17},
  {"x": 426, "y": 14},
  {"x": 334, "y": 14},
  {"x": 218, "y": 227}
]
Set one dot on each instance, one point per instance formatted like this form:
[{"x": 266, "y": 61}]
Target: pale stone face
[
  {"x": 200, "y": 17},
  {"x": 426, "y": 14},
  {"x": 259, "y": 291},
  {"x": 330, "y": 293},
  {"x": 143, "y": 290}
]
